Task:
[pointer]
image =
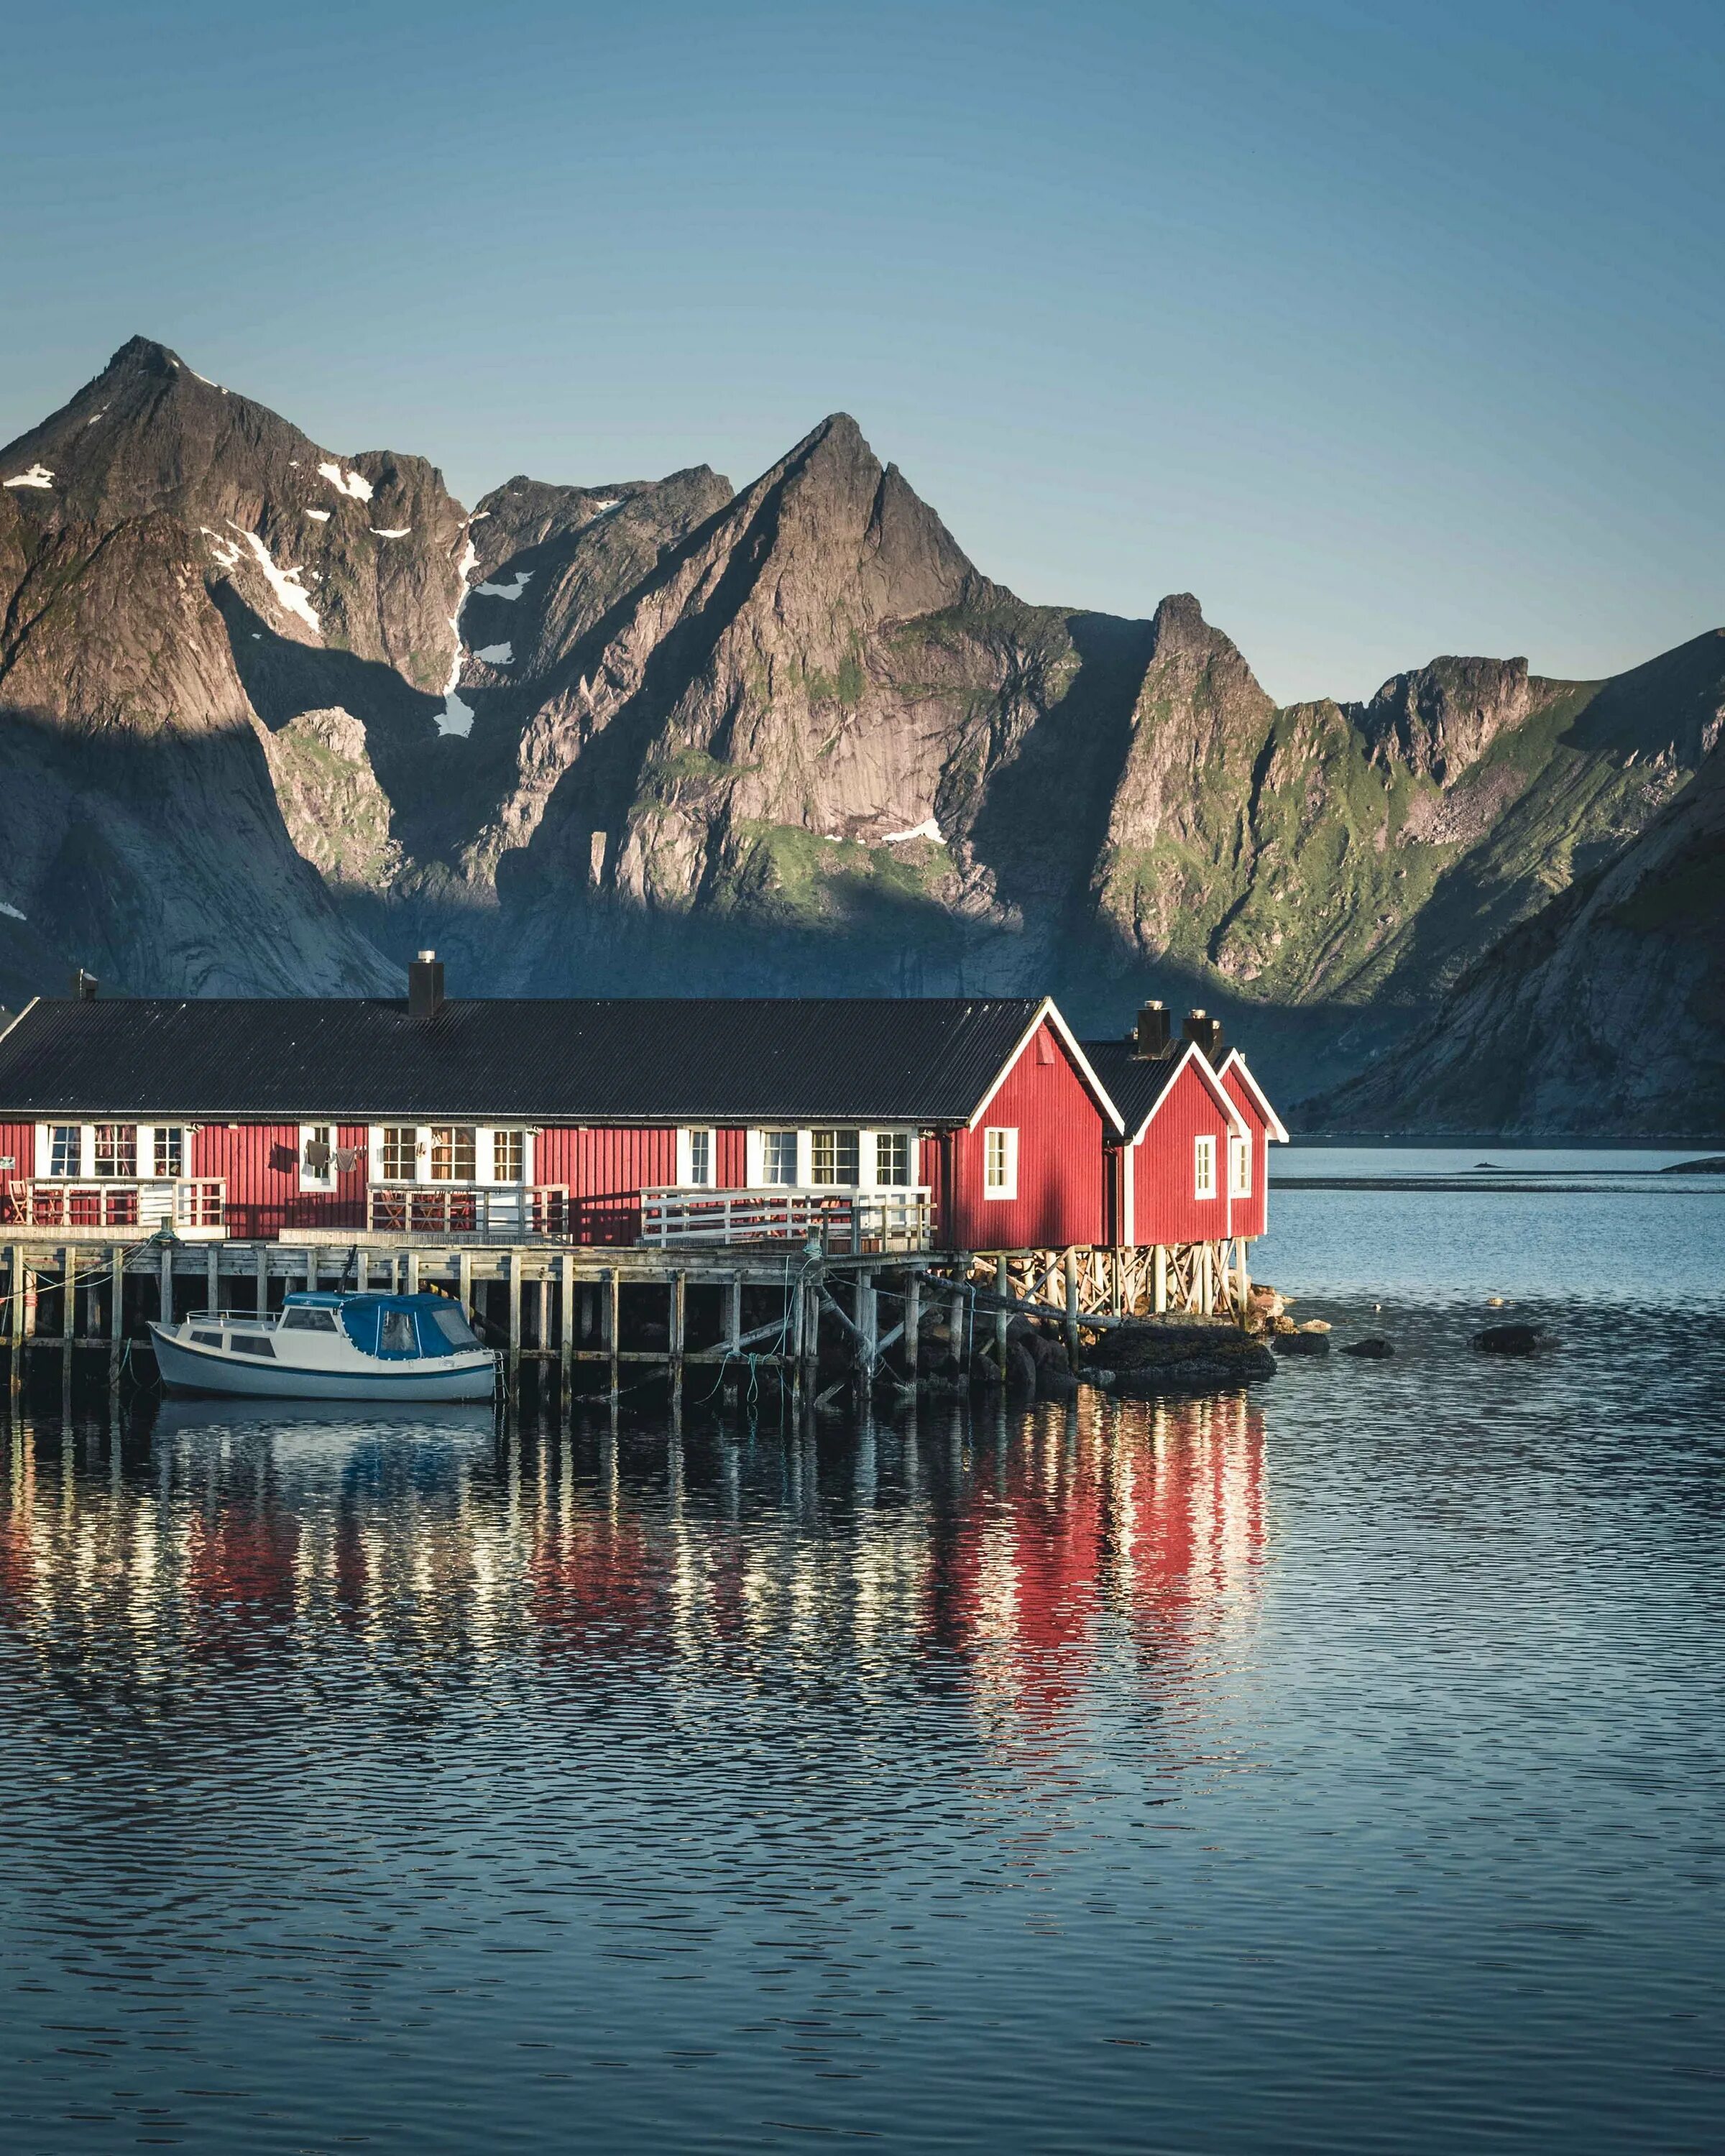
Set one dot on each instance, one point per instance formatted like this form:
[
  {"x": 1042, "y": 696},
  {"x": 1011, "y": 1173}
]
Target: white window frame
[
  {"x": 484, "y": 1156},
  {"x": 685, "y": 1156},
  {"x": 871, "y": 1162},
  {"x": 1007, "y": 1187},
  {"x": 1239, "y": 1167},
  {"x": 489, "y": 1135},
  {"x": 156, "y": 1132},
  {"x": 144, "y": 1166},
  {"x": 755, "y": 1151},
  {"x": 1203, "y": 1167},
  {"x": 310, "y": 1181}
]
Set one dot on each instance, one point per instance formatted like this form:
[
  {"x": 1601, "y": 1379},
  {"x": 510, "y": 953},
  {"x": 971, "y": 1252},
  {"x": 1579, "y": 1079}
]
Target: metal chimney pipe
[
  {"x": 84, "y": 987},
  {"x": 1150, "y": 1043}
]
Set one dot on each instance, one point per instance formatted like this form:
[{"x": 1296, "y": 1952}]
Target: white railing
[
  {"x": 843, "y": 1221},
  {"x": 489, "y": 1213},
  {"x": 194, "y": 1202}
]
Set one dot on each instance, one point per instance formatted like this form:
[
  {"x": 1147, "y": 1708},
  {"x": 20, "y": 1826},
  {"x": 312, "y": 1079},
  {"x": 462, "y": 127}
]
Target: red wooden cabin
[{"x": 945, "y": 1123}]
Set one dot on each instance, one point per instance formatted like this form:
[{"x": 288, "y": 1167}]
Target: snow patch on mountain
[
  {"x": 352, "y": 483},
  {"x": 37, "y": 475},
  {"x": 395, "y": 531},
  {"x": 523, "y": 578},
  {"x": 456, "y": 717},
  {"x": 319, "y": 515},
  {"x": 290, "y": 594},
  {"x": 496, "y": 654},
  {"x": 928, "y": 829}
]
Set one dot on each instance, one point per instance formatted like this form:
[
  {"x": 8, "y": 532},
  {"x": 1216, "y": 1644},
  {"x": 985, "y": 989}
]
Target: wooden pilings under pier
[{"x": 615, "y": 1315}]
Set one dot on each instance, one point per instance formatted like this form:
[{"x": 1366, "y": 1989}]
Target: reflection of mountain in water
[{"x": 887, "y": 1557}]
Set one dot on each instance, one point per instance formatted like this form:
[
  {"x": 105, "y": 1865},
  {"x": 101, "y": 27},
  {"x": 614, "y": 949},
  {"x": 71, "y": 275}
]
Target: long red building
[{"x": 978, "y": 1124}]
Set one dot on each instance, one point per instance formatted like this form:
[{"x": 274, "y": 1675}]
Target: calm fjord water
[{"x": 1337, "y": 1769}]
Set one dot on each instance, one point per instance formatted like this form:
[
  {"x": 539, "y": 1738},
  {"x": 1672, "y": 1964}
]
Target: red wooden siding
[
  {"x": 1164, "y": 1209},
  {"x": 19, "y": 1140},
  {"x": 1249, "y": 1213},
  {"x": 1060, "y": 1179},
  {"x": 606, "y": 1171},
  {"x": 261, "y": 1164},
  {"x": 730, "y": 1158}
]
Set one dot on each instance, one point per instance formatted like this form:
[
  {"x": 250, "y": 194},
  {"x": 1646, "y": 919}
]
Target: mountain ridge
[{"x": 666, "y": 733}]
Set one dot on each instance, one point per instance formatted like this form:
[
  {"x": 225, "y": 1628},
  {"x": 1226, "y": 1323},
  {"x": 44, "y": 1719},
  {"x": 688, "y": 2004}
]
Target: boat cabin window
[
  {"x": 251, "y": 1344},
  {"x": 395, "y": 1333},
  {"x": 455, "y": 1328},
  {"x": 207, "y": 1339},
  {"x": 309, "y": 1321}
]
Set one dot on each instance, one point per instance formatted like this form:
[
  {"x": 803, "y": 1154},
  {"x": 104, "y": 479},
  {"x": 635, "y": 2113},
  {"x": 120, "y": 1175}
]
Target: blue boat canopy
[{"x": 395, "y": 1328}]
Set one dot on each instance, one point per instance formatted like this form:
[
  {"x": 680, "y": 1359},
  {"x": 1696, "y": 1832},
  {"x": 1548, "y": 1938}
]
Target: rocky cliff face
[
  {"x": 1605, "y": 1012},
  {"x": 275, "y": 715}
]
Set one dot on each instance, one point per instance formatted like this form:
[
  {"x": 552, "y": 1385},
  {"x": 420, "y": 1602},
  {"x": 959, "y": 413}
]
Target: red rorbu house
[
  {"x": 975, "y": 1125},
  {"x": 951, "y": 1123},
  {"x": 1186, "y": 1179}
]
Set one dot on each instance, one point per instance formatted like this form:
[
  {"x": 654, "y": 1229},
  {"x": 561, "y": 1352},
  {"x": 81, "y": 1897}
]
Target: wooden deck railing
[
  {"x": 845, "y": 1221},
  {"x": 485, "y": 1213},
  {"x": 194, "y": 1202}
]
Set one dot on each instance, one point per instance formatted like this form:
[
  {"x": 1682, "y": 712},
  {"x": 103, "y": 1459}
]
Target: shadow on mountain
[{"x": 161, "y": 862}]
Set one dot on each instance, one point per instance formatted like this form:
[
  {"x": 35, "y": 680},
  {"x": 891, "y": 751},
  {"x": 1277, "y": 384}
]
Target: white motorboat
[{"x": 331, "y": 1347}]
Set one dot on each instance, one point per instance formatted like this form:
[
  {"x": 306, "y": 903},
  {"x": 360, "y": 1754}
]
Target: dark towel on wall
[
  {"x": 317, "y": 1156},
  {"x": 346, "y": 1159}
]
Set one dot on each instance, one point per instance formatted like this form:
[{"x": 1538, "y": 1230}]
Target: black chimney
[
  {"x": 83, "y": 987},
  {"x": 425, "y": 985},
  {"x": 1150, "y": 1043},
  {"x": 1206, "y": 1031}
]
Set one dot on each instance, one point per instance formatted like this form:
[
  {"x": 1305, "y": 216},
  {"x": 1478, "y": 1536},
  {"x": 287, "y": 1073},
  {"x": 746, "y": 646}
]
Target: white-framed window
[
  {"x": 1203, "y": 1167},
  {"x": 398, "y": 1152},
  {"x": 66, "y": 1150},
  {"x": 317, "y": 1156},
  {"x": 508, "y": 1156},
  {"x": 452, "y": 1152},
  {"x": 892, "y": 1159},
  {"x": 1239, "y": 1168},
  {"x": 836, "y": 1159},
  {"x": 695, "y": 1158},
  {"x": 116, "y": 1151},
  {"x": 1000, "y": 1163},
  {"x": 778, "y": 1158},
  {"x": 167, "y": 1153}
]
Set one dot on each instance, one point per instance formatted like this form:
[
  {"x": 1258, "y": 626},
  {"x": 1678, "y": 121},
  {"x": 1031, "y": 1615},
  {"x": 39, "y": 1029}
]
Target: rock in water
[
  {"x": 1375, "y": 1349},
  {"x": 1514, "y": 1340},
  {"x": 1301, "y": 1344}
]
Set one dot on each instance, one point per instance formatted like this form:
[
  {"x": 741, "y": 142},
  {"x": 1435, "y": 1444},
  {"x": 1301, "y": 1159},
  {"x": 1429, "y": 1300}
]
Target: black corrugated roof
[
  {"x": 659, "y": 1060},
  {"x": 1133, "y": 1083}
]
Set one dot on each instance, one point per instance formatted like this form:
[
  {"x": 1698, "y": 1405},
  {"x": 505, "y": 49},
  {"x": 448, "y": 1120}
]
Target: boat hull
[{"x": 187, "y": 1369}]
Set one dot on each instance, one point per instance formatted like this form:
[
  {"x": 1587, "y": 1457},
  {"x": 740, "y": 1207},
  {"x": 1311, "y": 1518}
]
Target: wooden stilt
[
  {"x": 463, "y": 1281},
  {"x": 411, "y": 1259},
  {"x": 116, "y": 1316},
  {"x": 1158, "y": 1300},
  {"x": 263, "y": 1278},
  {"x": 165, "y": 1314},
  {"x": 913, "y": 1318},
  {"x": 15, "y": 1323},
  {"x": 679, "y": 1312},
  {"x": 1002, "y": 1286},
  {"x": 566, "y": 1318},
  {"x": 1242, "y": 1279},
  {"x": 613, "y": 1329},
  {"x": 213, "y": 1277},
  {"x": 1072, "y": 1304},
  {"x": 512, "y": 1260}
]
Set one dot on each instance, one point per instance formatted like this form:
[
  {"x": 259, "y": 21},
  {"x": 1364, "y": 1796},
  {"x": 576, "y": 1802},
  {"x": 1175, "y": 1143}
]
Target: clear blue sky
[{"x": 1388, "y": 330}]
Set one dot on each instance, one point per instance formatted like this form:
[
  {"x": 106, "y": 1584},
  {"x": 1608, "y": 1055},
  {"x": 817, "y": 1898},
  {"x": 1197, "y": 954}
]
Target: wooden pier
[{"x": 616, "y": 1314}]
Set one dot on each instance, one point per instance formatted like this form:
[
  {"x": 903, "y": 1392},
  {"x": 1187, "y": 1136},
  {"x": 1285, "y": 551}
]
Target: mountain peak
[{"x": 141, "y": 355}]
